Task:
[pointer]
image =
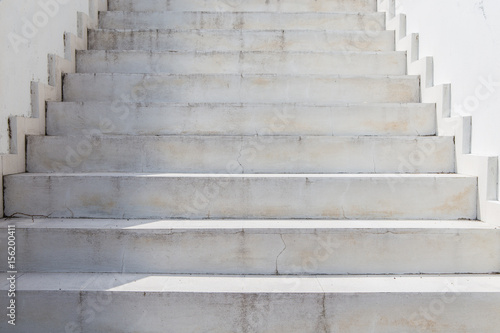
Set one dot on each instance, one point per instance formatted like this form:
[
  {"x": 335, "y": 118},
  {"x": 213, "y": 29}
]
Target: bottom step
[{"x": 161, "y": 303}]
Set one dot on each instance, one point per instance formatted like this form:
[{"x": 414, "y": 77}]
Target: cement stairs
[{"x": 246, "y": 166}]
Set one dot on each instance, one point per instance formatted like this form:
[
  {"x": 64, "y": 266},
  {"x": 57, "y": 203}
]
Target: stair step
[
  {"x": 247, "y": 154},
  {"x": 225, "y": 88},
  {"x": 169, "y": 303},
  {"x": 237, "y": 40},
  {"x": 319, "y": 63},
  {"x": 118, "y": 195},
  {"x": 121, "y": 118},
  {"x": 255, "y": 247},
  {"x": 247, "y": 5},
  {"x": 242, "y": 20}
]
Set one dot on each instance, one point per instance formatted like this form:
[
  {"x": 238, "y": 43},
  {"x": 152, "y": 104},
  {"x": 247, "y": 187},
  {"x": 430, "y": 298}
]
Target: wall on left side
[{"x": 29, "y": 31}]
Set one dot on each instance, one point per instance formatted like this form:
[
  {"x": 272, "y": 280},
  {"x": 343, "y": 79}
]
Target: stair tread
[
  {"x": 320, "y": 76},
  {"x": 229, "y": 175},
  {"x": 253, "y": 31},
  {"x": 274, "y": 247},
  {"x": 332, "y": 137},
  {"x": 69, "y": 118},
  {"x": 231, "y": 39},
  {"x": 162, "y": 283},
  {"x": 236, "y": 88},
  {"x": 242, "y": 20},
  {"x": 209, "y": 11},
  {"x": 183, "y": 62},
  {"x": 281, "y": 6},
  {"x": 281, "y": 154},
  {"x": 251, "y": 226},
  {"x": 332, "y": 52},
  {"x": 235, "y": 195},
  {"x": 253, "y": 104}
]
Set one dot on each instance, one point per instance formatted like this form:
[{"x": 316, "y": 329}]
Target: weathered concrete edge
[
  {"x": 483, "y": 167},
  {"x": 15, "y": 161}
]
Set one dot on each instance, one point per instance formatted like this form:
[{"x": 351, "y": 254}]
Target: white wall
[
  {"x": 23, "y": 52},
  {"x": 463, "y": 36}
]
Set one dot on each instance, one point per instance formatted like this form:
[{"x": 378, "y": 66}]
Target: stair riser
[
  {"x": 164, "y": 119},
  {"x": 253, "y": 21},
  {"x": 267, "y": 251},
  {"x": 115, "y": 311},
  {"x": 240, "y": 89},
  {"x": 199, "y": 196},
  {"x": 354, "y": 63},
  {"x": 264, "y": 154},
  {"x": 232, "y": 40},
  {"x": 239, "y": 5}
]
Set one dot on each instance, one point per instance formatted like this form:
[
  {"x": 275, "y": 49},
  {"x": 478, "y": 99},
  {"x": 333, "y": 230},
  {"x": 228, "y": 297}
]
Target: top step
[{"x": 245, "y": 5}]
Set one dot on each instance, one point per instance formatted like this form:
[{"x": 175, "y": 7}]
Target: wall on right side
[{"x": 463, "y": 37}]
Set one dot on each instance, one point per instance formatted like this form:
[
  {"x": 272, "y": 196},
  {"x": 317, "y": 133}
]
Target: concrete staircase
[{"x": 246, "y": 166}]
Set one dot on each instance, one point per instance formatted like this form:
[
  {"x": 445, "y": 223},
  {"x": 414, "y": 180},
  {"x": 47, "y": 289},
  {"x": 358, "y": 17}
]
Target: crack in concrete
[
  {"x": 277, "y": 258},
  {"x": 239, "y": 156},
  {"x": 322, "y": 322},
  {"x": 343, "y": 213},
  {"x": 416, "y": 130},
  {"x": 27, "y": 215},
  {"x": 323, "y": 312},
  {"x": 480, "y": 6},
  {"x": 123, "y": 262},
  {"x": 332, "y": 122}
]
